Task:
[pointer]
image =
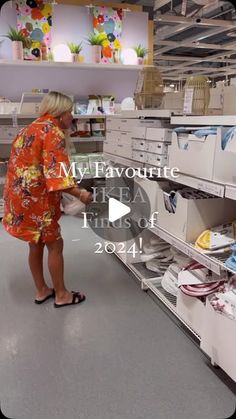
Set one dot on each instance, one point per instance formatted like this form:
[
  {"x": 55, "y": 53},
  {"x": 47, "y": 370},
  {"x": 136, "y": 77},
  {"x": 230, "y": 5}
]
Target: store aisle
[{"x": 117, "y": 356}]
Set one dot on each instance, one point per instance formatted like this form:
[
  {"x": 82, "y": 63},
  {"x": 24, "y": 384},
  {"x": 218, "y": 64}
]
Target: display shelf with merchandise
[
  {"x": 212, "y": 263},
  {"x": 67, "y": 65}
]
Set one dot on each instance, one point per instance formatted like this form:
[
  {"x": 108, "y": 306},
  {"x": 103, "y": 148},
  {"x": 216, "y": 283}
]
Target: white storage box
[
  {"x": 112, "y": 135},
  {"x": 218, "y": 340},
  {"x": 193, "y": 216},
  {"x": 191, "y": 310},
  {"x": 159, "y": 134},
  {"x": 124, "y": 138},
  {"x": 158, "y": 160},
  {"x": 139, "y": 144},
  {"x": 140, "y": 130},
  {"x": 139, "y": 156},
  {"x": 110, "y": 147},
  {"x": 157, "y": 148},
  {"x": 121, "y": 124},
  {"x": 225, "y": 161},
  {"x": 124, "y": 150},
  {"x": 8, "y": 132},
  {"x": 198, "y": 159},
  {"x": 150, "y": 186}
]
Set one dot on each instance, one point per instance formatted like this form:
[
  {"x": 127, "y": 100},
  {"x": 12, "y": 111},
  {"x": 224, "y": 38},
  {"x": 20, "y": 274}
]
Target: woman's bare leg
[
  {"x": 56, "y": 269},
  {"x": 36, "y": 267}
]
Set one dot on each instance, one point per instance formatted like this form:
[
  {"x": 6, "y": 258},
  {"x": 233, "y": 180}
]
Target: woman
[{"x": 33, "y": 192}]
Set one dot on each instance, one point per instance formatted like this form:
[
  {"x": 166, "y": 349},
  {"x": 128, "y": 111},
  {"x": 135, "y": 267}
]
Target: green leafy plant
[
  {"x": 141, "y": 51},
  {"x": 15, "y": 35},
  {"x": 75, "y": 48},
  {"x": 99, "y": 39}
]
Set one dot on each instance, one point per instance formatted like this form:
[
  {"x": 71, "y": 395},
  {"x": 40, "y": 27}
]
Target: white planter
[
  {"x": 17, "y": 50},
  {"x": 96, "y": 54}
]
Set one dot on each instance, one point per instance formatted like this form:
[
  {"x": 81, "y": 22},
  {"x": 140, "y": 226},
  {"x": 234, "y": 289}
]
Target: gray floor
[{"x": 117, "y": 356}]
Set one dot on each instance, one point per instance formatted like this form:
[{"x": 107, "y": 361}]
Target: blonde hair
[{"x": 55, "y": 104}]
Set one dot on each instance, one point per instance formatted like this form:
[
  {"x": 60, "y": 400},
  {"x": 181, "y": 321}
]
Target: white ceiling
[{"x": 194, "y": 39}]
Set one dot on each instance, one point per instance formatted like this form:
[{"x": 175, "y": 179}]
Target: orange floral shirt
[{"x": 34, "y": 181}]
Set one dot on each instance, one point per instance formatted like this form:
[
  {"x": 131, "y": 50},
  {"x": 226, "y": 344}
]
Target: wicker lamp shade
[
  {"x": 149, "y": 89},
  {"x": 201, "y": 93}
]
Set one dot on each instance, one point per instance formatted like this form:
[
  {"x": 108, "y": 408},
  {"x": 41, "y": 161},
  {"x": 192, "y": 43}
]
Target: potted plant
[
  {"x": 75, "y": 50},
  {"x": 97, "y": 41},
  {"x": 141, "y": 52},
  {"x": 19, "y": 41}
]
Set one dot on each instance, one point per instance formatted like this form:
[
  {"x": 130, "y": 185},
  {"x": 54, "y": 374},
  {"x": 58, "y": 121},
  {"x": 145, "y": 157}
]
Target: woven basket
[
  {"x": 149, "y": 89},
  {"x": 201, "y": 94}
]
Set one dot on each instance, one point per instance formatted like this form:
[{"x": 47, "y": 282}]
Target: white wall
[{"x": 71, "y": 23}]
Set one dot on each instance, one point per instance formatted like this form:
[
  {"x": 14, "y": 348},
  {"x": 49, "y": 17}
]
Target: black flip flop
[
  {"x": 77, "y": 299},
  {"x": 46, "y": 298}
]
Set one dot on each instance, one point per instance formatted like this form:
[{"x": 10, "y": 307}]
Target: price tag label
[{"x": 188, "y": 101}]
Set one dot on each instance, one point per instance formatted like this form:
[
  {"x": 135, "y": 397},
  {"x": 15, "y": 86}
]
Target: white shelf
[
  {"x": 75, "y": 66},
  {"x": 86, "y": 140},
  {"x": 5, "y": 141},
  {"x": 204, "y": 120},
  {"x": 208, "y": 186},
  {"x": 211, "y": 263},
  {"x": 18, "y": 116},
  {"x": 2, "y": 180},
  {"x": 33, "y": 116}
]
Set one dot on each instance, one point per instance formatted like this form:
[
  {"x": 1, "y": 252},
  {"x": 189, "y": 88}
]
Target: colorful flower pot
[
  {"x": 140, "y": 60},
  {"x": 96, "y": 54},
  {"x": 74, "y": 58},
  {"x": 17, "y": 50}
]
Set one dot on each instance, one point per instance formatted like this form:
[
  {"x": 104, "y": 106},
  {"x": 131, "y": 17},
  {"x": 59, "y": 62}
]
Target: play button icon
[
  {"x": 117, "y": 210},
  {"x": 120, "y": 209}
]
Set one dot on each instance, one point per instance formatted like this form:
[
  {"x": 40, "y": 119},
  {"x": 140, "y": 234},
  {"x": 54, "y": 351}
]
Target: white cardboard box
[
  {"x": 112, "y": 135},
  {"x": 139, "y": 144},
  {"x": 139, "y": 156},
  {"x": 159, "y": 134},
  {"x": 124, "y": 150},
  {"x": 121, "y": 124},
  {"x": 158, "y": 160},
  {"x": 197, "y": 160},
  {"x": 140, "y": 130},
  {"x": 150, "y": 186},
  {"x": 193, "y": 216},
  {"x": 218, "y": 340},
  {"x": 124, "y": 138},
  {"x": 110, "y": 147},
  {"x": 157, "y": 148},
  {"x": 225, "y": 162},
  {"x": 191, "y": 310}
]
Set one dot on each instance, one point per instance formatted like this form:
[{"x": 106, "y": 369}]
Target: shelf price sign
[{"x": 188, "y": 101}]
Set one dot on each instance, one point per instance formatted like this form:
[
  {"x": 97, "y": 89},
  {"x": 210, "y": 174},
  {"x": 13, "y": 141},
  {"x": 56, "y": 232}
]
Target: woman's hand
[
  {"x": 86, "y": 197},
  {"x": 83, "y": 195}
]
